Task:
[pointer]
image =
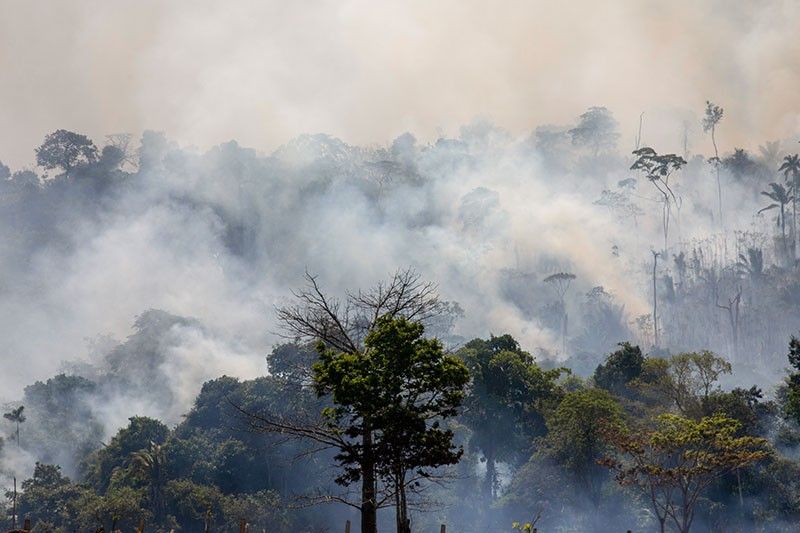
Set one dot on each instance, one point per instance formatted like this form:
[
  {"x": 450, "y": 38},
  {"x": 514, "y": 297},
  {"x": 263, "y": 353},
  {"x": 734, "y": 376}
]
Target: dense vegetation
[{"x": 663, "y": 403}]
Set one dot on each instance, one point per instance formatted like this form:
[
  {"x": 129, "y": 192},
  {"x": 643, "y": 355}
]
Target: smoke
[
  {"x": 216, "y": 236},
  {"x": 263, "y": 72}
]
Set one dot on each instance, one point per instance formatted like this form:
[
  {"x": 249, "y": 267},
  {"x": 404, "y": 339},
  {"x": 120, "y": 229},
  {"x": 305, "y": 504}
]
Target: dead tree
[
  {"x": 733, "y": 320},
  {"x": 343, "y": 325}
]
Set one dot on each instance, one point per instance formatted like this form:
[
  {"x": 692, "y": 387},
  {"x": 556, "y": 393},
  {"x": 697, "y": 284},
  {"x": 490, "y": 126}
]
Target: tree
[
  {"x": 684, "y": 381},
  {"x": 712, "y": 117},
  {"x": 16, "y": 416},
  {"x": 619, "y": 369},
  {"x": 560, "y": 282},
  {"x": 655, "y": 294},
  {"x": 596, "y": 130},
  {"x": 47, "y": 496},
  {"x": 393, "y": 396},
  {"x": 658, "y": 169},
  {"x": 791, "y": 171},
  {"x": 575, "y": 435},
  {"x": 136, "y": 436},
  {"x": 673, "y": 464},
  {"x": 65, "y": 150},
  {"x": 508, "y": 392},
  {"x": 149, "y": 466},
  {"x": 353, "y": 370},
  {"x": 780, "y": 197},
  {"x": 792, "y": 395}
]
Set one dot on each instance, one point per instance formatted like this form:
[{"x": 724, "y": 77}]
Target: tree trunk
[
  {"x": 716, "y": 166},
  {"x": 655, "y": 302},
  {"x": 491, "y": 475},
  {"x": 369, "y": 511},
  {"x": 795, "y": 241}
]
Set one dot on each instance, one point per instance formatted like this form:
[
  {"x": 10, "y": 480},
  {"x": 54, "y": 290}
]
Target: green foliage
[
  {"x": 507, "y": 396},
  {"x": 791, "y": 404},
  {"x": 575, "y": 439},
  {"x": 48, "y": 496},
  {"x": 65, "y": 149},
  {"x": 675, "y": 463},
  {"x": 400, "y": 388},
  {"x": 138, "y": 435},
  {"x": 619, "y": 369}
]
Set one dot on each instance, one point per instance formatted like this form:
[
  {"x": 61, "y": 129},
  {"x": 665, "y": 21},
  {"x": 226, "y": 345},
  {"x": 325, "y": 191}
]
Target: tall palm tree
[
  {"x": 780, "y": 197},
  {"x": 791, "y": 171},
  {"x": 16, "y": 416},
  {"x": 149, "y": 465}
]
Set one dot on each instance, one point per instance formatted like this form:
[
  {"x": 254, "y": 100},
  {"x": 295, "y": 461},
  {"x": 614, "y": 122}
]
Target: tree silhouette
[
  {"x": 16, "y": 416},
  {"x": 712, "y": 117},
  {"x": 65, "y": 149},
  {"x": 597, "y": 130},
  {"x": 560, "y": 283},
  {"x": 791, "y": 171},
  {"x": 780, "y": 197},
  {"x": 658, "y": 169}
]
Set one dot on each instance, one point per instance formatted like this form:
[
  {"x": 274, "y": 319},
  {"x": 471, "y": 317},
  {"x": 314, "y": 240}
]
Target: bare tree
[
  {"x": 343, "y": 325},
  {"x": 560, "y": 282}
]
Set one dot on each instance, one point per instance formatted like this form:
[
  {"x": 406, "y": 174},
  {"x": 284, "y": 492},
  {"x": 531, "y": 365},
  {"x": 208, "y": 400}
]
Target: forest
[{"x": 562, "y": 331}]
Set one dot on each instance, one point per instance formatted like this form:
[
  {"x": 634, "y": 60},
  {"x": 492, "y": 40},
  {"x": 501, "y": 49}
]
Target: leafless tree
[{"x": 343, "y": 324}]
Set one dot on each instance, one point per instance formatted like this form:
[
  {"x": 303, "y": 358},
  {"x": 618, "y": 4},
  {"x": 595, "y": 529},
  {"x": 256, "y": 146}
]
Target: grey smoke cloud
[{"x": 264, "y": 72}]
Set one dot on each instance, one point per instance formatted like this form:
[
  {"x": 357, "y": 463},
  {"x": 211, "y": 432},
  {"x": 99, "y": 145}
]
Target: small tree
[
  {"x": 658, "y": 169},
  {"x": 16, "y": 416},
  {"x": 780, "y": 196},
  {"x": 619, "y": 369},
  {"x": 575, "y": 435},
  {"x": 596, "y": 130},
  {"x": 675, "y": 463},
  {"x": 712, "y": 117},
  {"x": 65, "y": 150},
  {"x": 149, "y": 465}
]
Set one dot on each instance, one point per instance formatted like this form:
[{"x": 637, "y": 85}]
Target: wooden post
[
  {"x": 26, "y": 525},
  {"x": 347, "y": 527}
]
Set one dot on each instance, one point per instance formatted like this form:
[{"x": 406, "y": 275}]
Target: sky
[{"x": 365, "y": 71}]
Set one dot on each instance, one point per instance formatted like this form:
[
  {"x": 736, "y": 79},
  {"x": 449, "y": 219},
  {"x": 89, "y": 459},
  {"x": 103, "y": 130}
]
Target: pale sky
[{"x": 364, "y": 70}]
